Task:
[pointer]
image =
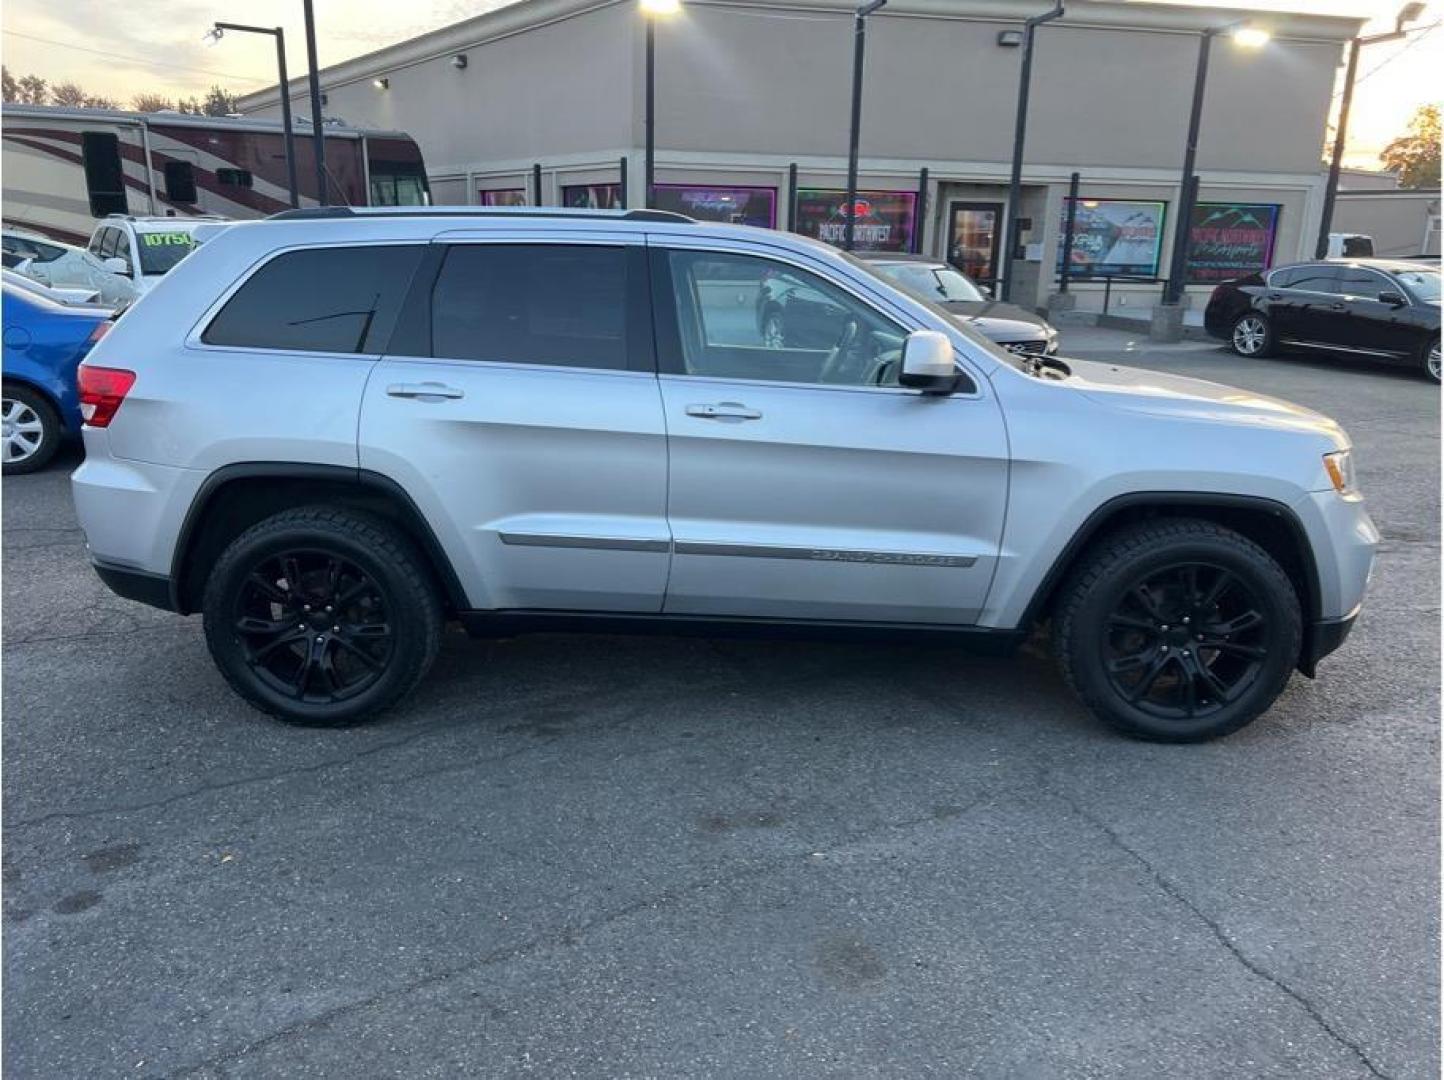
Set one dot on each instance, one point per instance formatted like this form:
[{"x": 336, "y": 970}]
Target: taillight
[{"x": 102, "y": 389}]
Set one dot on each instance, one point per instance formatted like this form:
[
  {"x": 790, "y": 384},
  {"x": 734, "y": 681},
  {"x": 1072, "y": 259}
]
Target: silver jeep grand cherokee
[{"x": 334, "y": 430}]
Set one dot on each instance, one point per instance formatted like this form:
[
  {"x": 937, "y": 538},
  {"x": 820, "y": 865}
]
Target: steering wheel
[{"x": 832, "y": 366}]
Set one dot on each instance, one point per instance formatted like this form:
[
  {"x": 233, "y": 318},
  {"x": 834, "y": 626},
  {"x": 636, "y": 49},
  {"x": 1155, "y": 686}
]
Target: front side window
[
  {"x": 108, "y": 242},
  {"x": 1357, "y": 281},
  {"x": 558, "y": 305},
  {"x": 336, "y": 299},
  {"x": 122, "y": 247},
  {"x": 745, "y": 317}
]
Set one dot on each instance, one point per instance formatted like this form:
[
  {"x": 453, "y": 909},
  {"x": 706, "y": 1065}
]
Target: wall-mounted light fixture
[
  {"x": 459, "y": 61},
  {"x": 1010, "y": 39},
  {"x": 383, "y": 83}
]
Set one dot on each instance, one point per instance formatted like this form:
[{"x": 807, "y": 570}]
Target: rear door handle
[
  {"x": 724, "y": 410},
  {"x": 425, "y": 391}
]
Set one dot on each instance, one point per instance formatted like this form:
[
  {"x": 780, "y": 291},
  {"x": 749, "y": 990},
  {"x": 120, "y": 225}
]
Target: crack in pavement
[{"x": 1179, "y": 897}]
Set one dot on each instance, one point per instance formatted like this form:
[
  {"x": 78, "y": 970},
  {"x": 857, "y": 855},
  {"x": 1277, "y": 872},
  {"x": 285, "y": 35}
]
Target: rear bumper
[
  {"x": 1321, "y": 638},
  {"x": 138, "y": 585}
]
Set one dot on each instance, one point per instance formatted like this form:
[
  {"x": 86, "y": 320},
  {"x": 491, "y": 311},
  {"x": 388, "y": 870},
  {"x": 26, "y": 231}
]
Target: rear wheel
[
  {"x": 30, "y": 430},
  {"x": 322, "y": 617},
  {"x": 1178, "y": 630},
  {"x": 1252, "y": 335},
  {"x": 1431, "y": 360}
]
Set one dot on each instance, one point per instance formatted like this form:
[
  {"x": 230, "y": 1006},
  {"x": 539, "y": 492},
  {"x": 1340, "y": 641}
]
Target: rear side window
[
  {"x": 104, "y": 178},
  {"x": 559, "y": 305},
  {"x": 1319, "y": 277},
  {"x": 338, "y": 299}
]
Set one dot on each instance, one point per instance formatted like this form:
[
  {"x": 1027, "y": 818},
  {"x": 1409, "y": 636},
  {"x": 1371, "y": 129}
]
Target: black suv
[{"x": 1384, "y": 309}]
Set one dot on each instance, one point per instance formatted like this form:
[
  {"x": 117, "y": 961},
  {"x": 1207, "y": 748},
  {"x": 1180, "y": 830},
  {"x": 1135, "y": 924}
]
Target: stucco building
[{"x": 752, "y": 103}]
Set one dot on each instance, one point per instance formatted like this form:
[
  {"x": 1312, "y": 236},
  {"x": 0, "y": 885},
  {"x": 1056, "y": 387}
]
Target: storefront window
[
  {"x": 1230, "y": 240},
  {"x": 1113, "y": 237},
  {"x": 883, "y": 220},
  {"x": 593, "y": 196},
  {"x": 503, "y": 197},
  {"x": 738, "y": 205}
]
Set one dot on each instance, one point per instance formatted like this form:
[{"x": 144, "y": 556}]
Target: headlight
[{"x": 1340, "y": 467}]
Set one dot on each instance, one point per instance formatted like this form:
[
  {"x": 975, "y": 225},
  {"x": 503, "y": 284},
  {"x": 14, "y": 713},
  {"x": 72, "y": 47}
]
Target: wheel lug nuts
[
  {"x": 1164, "y": 629},
  {"x": 320, "y": 638},
  {"x": 1185, "y": 620},
  {"x": 335, "y": 629}
]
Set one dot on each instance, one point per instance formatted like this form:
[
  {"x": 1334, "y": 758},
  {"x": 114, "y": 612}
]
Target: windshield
[
  {"x": 1422, "y": 283},
  {"x": 159, "y": 251},
  {"x": 949, "y": 318},
  {"x": 936, "y": 283}
]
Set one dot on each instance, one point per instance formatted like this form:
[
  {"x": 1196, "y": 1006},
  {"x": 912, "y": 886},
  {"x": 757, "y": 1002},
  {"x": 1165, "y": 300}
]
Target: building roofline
[{"x": 526, "y": 15}]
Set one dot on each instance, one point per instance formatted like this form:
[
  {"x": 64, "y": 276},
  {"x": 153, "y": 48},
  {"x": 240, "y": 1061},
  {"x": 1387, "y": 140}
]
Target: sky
[{"x": 121, "y": 49}]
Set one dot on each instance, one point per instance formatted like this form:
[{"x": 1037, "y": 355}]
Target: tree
[
  {"x": 1415, "y": 156},
  {"x": 218, "y": 102},
  {"x": 68, "y": 94},
  {"x": 189, "y": 105},
  {"x": 151, "y": 103},
  {"x": 99, "y": 101},
  {"x": 33, "y": 90},
  {"x": 12, "y": 88}
]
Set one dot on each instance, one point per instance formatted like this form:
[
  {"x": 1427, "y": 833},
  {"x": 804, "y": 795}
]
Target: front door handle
[
  {"x": 724, "y": 410},
  {"x": 425, "y": 391}
]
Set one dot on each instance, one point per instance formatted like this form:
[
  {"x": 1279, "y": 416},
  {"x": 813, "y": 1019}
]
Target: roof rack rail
[{"x": 322, "y": 213}]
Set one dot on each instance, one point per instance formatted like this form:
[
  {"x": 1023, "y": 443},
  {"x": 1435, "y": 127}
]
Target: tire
[
  {"x": 335, "y": 603},
  {"x": 1252, "y": 335},
  {"x": 1429, "y": 360},
  {"x": 32, "y": 430},
  {"x": 1210, "y": 668}
]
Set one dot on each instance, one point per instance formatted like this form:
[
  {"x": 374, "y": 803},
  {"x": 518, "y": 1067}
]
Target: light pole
[
  {"x": 214, "y": 35},
  {"x": 859, "y": 45},
  {"x": 1249, "y": 37},
  {"x": 1020, "y": 132},
  {"x": 1407, "y": 14},
  {"x": 315, "y": 85},
  {"x": 652, "y": 10}
]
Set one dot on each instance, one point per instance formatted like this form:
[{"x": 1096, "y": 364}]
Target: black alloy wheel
[
  {"x": 1185, "y": 641},
  {"x": 322, "y": 616},
  {"x": 313, "y": 625}
]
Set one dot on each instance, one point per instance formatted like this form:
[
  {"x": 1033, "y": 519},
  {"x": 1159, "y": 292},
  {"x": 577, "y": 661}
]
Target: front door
[
  {"x": 804, "y": 483},
  {"x": 1371, "y": 325},
  {"x": 975, "y": 233},
  {"x": 519, "y": 409}
]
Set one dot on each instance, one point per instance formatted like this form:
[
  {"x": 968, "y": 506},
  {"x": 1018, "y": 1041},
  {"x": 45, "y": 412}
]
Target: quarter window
[
  {"x": 558, "y": 305},
  {"x": 744, "y": 317},
  {"x": 338, "y": 300}
]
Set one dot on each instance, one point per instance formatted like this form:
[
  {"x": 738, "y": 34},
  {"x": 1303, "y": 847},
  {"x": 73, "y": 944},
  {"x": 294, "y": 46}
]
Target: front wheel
[
  {"x": 1431, "y": 360},
  {"x": 1178, "y": 630},
  {"x": 1252, "y": 335},
  {"x": 322, "y": 617}
]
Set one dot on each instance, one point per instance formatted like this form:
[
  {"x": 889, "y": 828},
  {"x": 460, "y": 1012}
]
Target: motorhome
[{"x": 65, "y": 168}]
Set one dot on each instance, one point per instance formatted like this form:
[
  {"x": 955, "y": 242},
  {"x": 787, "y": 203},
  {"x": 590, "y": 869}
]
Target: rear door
[
  {"x": 518, "y": 406},
  {"x": 804, "y": 482},
  {"x": 1304, "y": 303}
]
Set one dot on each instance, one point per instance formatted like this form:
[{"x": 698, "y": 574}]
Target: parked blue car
[{"x": 44, "y": 344}]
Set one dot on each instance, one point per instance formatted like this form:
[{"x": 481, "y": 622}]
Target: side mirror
[
  {"x": 927, "y": 363},
  {"x": 116, "y": 265},
  {"x": 1393, "y": 299}
]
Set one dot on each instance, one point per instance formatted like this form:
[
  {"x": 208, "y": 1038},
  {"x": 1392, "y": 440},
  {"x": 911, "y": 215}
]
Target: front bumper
[{"x": 1322, "y": 637}]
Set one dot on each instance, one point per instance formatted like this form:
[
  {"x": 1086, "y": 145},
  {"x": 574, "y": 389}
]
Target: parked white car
[
  {"x": 59, "y": 294},
  {"x": 63, "y": 266},
  {"x": 145, "y": 249}
]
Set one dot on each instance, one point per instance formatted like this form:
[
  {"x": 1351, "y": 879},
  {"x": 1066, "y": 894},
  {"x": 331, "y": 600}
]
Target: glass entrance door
[{"x": 974, "y": 238}]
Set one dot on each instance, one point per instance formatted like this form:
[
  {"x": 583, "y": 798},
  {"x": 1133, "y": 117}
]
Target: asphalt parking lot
[{"x": 618, "y": 857}]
